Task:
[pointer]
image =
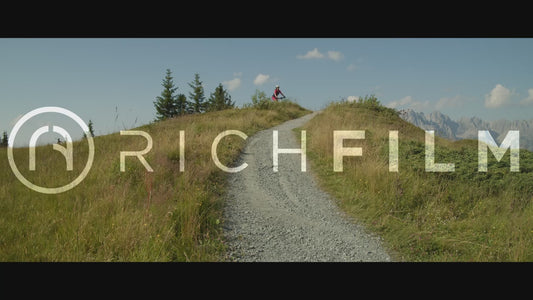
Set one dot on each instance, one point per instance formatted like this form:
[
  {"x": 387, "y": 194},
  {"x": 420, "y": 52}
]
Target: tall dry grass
[
  {"x": 423, "y": 216},
  {"x": 134, "y": 215}
]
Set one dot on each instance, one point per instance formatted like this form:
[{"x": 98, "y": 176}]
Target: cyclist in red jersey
[{"x": 277, "y": 91}]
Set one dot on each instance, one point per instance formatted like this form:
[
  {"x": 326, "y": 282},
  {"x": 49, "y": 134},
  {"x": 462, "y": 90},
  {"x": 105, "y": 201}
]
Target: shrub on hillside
[{"x": 370, "y": 102}]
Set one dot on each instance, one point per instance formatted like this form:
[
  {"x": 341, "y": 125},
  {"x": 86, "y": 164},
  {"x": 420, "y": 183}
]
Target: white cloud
[
  {"x": 233, "y": 84},
  {"x": 315, "y": 54},
  {"x": 351, "y": 67},
  {"x": 237, "y": 74},
  {"x": 499, "y": 96},
  {"x": 529, "y": 99},
  {"x": 261, "y": 79},
  {"x": 311, "y": 54},
  {"x": 409, "y": 102},
  {"x": 335, "y": 55},
  {"x": 352, "y": 98}
]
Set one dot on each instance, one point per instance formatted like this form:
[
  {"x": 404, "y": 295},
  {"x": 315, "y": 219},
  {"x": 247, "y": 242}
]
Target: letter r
[{"x": 138, "y": 154}]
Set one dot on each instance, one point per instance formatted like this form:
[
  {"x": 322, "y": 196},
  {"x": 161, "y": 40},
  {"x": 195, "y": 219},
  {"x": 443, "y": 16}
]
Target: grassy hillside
[
  {"x": 135, "y": 215},
  {"x": 453, "y": 216}
]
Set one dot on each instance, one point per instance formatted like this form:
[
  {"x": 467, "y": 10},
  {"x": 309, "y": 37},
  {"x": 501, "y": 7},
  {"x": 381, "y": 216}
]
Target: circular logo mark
[{"x": 24, "y": 119}]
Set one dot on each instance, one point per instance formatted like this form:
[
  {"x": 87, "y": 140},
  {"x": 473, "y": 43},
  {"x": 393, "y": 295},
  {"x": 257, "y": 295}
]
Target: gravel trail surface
[{"x": 284, "y": 216}]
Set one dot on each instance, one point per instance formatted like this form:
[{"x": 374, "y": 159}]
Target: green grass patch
[
  {"x": 135, "y": 215},
  {"x": 463, "y": 215}
]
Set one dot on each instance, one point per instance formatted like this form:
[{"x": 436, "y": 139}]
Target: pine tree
[
  {"x": 4, "y": 141},
  {"x": 166, "y": 104},
  {"x": 220, "y": 99},
  {"x": 91, "y": 129},
  {"x": 182, "y": 105},
  {"x": 197, "y": 96}
]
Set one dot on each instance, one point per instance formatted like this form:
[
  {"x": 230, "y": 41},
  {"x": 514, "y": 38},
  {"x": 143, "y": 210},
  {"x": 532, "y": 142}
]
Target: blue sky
[{"x": 114, "y": 81}]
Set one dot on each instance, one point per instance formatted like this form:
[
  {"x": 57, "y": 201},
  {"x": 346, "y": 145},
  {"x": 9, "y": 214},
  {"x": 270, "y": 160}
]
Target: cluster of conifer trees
[{"x": 171, "y": 104}]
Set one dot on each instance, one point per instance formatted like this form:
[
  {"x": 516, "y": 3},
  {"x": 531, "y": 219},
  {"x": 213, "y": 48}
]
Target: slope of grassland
[
  {"x": 463, "y": 215},
  {"x": 165, "y": 215}
]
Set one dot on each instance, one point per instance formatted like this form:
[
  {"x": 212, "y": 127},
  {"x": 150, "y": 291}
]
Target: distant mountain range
[{"x": 467, "y": 128}]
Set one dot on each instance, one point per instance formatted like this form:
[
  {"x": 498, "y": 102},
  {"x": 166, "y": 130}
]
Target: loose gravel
[{"x": 283, "y": 216}]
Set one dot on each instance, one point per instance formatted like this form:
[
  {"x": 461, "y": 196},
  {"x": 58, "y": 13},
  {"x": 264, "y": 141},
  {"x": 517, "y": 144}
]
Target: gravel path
[{"x": 284, "y": 216}]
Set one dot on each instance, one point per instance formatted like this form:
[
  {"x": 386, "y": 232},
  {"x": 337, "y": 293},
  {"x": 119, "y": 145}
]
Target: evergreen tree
[
  {"x": 4, "y": 141},
  {"x": 166, "y": 104},
  {"x": 91, "y": 129},
  {"x": 220, "y": 99},
  {"x": 182, "y": 105},
  {"x": 197, "y": 96}
]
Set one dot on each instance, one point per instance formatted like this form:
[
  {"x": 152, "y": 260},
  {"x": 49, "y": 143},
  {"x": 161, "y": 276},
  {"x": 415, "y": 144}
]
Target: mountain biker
[{"x": 277, "y": 91}]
